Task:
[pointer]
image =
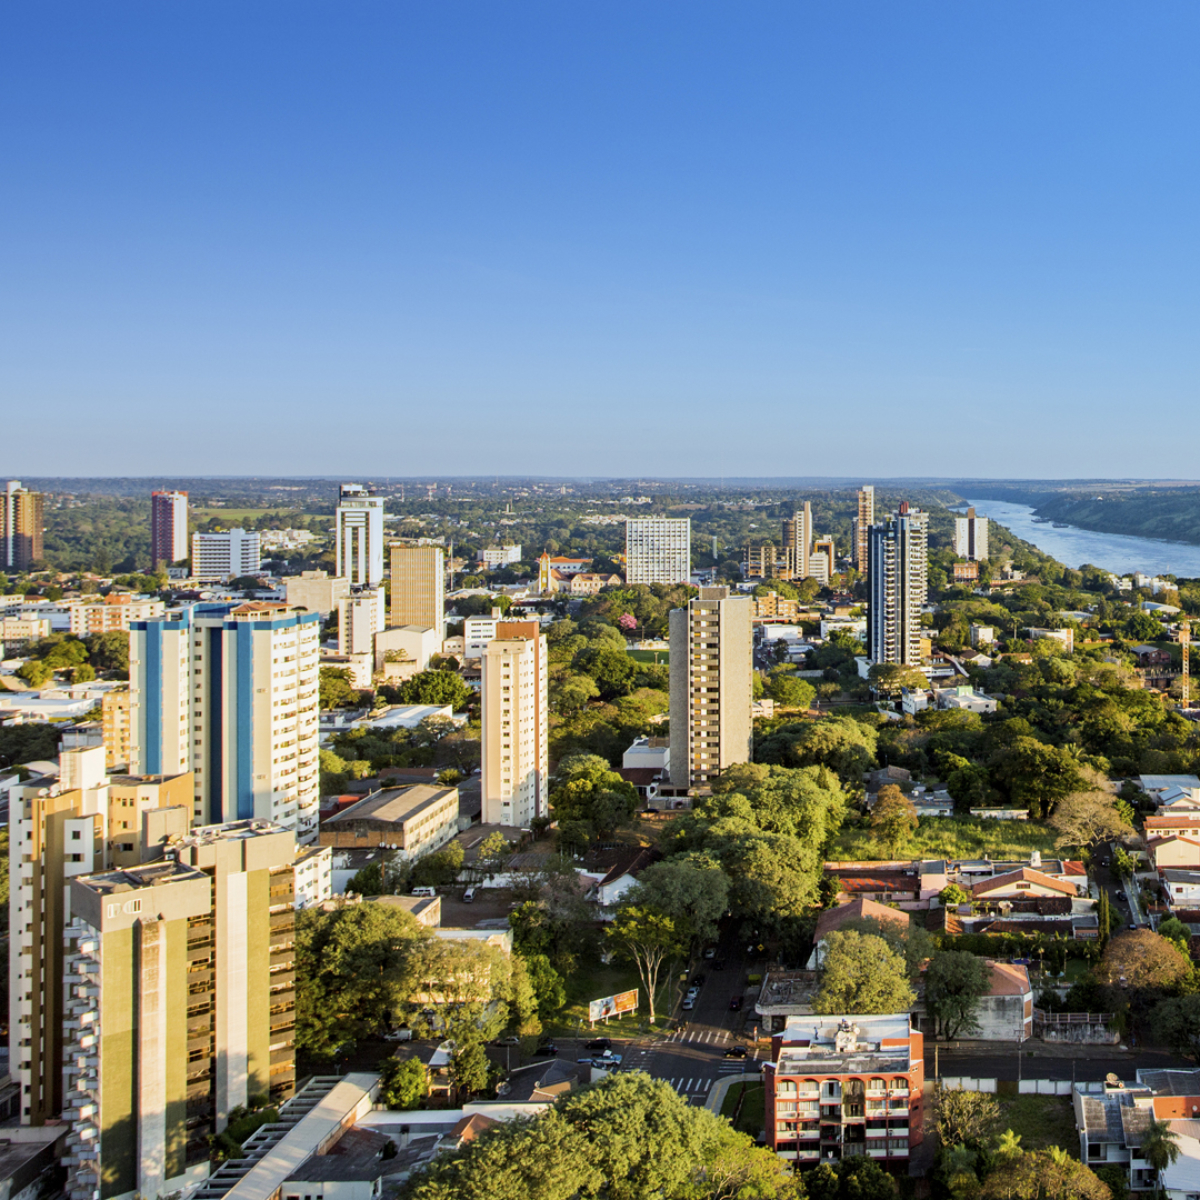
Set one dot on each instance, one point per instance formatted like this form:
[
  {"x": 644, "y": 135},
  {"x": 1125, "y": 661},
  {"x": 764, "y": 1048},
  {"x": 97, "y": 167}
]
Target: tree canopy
[{"x": 862, "y": 974}]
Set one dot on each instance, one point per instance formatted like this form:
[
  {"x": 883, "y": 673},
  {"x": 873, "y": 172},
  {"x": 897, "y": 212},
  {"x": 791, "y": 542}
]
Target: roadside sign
[{"x": 612, "y": 1006}]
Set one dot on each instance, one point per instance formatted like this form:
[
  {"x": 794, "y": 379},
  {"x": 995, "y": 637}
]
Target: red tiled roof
[
  {"x": 882, "y": 881},
  {"x": 1023, "y": 875},
  {"x": 1074, "y": 868},
  {"x": 1009, "y": 979},
  {"x": 863, "y": 908},
  {"x": 1172, "y": 823}
]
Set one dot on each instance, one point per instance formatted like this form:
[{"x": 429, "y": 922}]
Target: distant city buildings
[
  {"x": 22, "y": 522},
  {"x": 515, "y": 765},
  {"x": 862, "y": 523},
  {"x": 971, "y": 537},
  {"x": 418, "y": 584},
  {"x": 219, "y": 557},
  {"x": 231, "y": 692},
  {"x": 168, "y": 527},
  {"x": 316, "y": 591},
  {"x": 802, "y": 554},
  {"x": 501, "y": 556},
  {"x": 358, "y": 534},
  {"x": 658, "y": 550},
  {"x": 711, "y": 686},
  {"x": 898, "y": 567},
  {"x": 797, "y": 540}
]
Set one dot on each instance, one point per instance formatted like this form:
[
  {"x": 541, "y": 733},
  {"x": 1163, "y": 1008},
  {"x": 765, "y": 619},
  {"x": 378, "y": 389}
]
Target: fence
[
  {"x": 1040, "y": 1017},
  {"x": 1019, "y": 1087}
]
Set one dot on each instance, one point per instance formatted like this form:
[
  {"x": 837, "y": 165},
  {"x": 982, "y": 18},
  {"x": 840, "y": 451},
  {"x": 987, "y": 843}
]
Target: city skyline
[{"x": 629, "y": 227}]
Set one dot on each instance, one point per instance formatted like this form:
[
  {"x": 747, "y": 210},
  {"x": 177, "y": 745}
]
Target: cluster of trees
[
  {"x": 625, "y": 1138},
  {"x": 85, "y": 658}
]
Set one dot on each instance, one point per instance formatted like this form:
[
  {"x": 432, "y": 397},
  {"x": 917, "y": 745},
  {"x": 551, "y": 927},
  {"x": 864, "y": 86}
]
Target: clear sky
[{"x": 837, "y": 238}]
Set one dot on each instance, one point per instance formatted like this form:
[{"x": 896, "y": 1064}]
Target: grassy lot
[
  {"x": 662, "y": 657},
  {"x": 750, "y": 1118},
  {"x": 595, "y": 982},
  {"x": 949, "y": 837},
  {"x": 1041, "y": 1121},
  {"x": 238, "y": 514}
]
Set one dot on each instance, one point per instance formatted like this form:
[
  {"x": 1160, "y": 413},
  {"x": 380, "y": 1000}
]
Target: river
[{"x": 1116, "y": 552}]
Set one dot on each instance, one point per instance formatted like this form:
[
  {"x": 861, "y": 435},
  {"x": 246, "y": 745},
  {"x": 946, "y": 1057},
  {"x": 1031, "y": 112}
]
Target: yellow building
[{"x": 418, "y": 583}]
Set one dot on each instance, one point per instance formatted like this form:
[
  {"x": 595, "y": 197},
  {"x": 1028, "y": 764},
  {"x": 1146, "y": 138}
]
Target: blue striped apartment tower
[{"x": 232, "y": 689}]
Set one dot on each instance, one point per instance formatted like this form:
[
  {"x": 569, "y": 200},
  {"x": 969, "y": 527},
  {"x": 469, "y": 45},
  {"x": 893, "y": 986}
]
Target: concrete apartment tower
[
  {"x": 358, "y": 531},
  {"x": 229, "y": 555},
  {"x": 897, "y": 571},
  {"x": 658, "y": 550},
  {"x": 180, "y": 1005},
  {"x": 168, "y": 527},
  {"x": 971, "y": 537},
  {"x": 515, "y": 766},
  {"x": 22, "y": 523},
  {"x": 231, "y": 691},
  {"x": 797, "y": 538},
  {"x": 711, "y": 686},
  {"x": 418, "y": 578},
  {"x": 60, "y": 829},
  {"x": 862, "y": 526}
]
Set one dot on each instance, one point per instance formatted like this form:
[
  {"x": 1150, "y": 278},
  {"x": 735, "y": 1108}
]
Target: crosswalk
[
  {"x": 697, "y": 1036},
  {"x": 696, "y": 1084}
]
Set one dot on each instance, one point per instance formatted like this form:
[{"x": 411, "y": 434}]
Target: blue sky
[{"x": 646, "y": 238}]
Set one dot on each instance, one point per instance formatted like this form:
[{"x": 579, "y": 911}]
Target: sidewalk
[{"x": 719, "y": 1090}]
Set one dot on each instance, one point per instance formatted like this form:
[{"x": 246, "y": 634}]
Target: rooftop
[
  {"x": 394, "y": 804},
  {"x": 154, "y": 874},
  {"x": 845, "y": 1044}
]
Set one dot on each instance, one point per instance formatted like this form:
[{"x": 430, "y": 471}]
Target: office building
[
  {"x": 168, "y": 527},
  {"x": 219, "y": 557},
  {"x": 845, "y": 1085},
  {"x": 358, "y": 531},
  {"x": 360, "y": 618},
  {"x": 797, "y": 538},
  {"x": 711, "y": 686},
  {"x": 658, "y": 550},
  {"x": 897, "y": 584},
  {"x": 515, "y": 740},
  {"x": 180, "y": 1006},
  {"x": 418, "y": 578},
  {"x": 316, "y": 591},
  {"x": 62, "y": 828},
  {"x": 862, "y": 526},
  {"x": 21, "y": 526},
  {"x": 971, "y": 537},
  {"x": 231, "y": 690}
]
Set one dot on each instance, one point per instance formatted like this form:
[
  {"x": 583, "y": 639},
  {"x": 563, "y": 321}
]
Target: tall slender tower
[
  {"x": 359, "y": 535},
  {"x": 862, "y": 526},
  {"x": 21, "y": 525},
  {"x": 797, "y": 541},
  {"x": 897, "y": 570},
  {"x": 971, "y": 537},
  {"x": 711, "y": 686},
  {"x": 168, "y": 527}
]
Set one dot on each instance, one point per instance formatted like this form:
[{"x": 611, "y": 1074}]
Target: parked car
[
  {"x": 736, "y": 1052},
  {"x": 711, "y": 952},
  {"x": 1121, "y": 896},
  {"x": 469, "y": 896},
  {"x": 735, "y": 1004},
  {"x": 545, "y": 1049},
  {"x": 598, "y": 1044},
  {"x": 698, "y": 982},
  {"x": 510, "y": 1040},
  {"x": 689, "y": 1002},
  {"x": 398, "y": 1035},
  {"x": 604, "y": 1062}
]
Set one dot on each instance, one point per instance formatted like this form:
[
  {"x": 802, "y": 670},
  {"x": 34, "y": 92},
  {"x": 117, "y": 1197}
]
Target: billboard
[{"x": 612, "y": 1006}]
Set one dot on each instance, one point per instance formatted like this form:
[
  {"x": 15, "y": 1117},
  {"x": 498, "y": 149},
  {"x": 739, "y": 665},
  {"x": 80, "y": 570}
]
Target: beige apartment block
[
  {"x": 418, "y": 583},
  {"x": 316, "y": 591},
  {"x": 112, "y": 613},
  {"x": 515, "y": 742},
  {"x": 862, "y": 526},
  {"x": 711, "y": 686},
  {"x": 114, "y": 721}
]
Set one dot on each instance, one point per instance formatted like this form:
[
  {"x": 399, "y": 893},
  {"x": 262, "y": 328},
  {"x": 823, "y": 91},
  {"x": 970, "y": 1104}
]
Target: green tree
[
  {"x": 893, "y": 818},
  {"x": 494, "y": 852},
  {"x": 649, "y": 940},
  {"x": 335, "y": 688},
  {"x": 403, "y": 1083},
  {"x": 955, "y": 982},
  {"x": 434, "y": 687},
  {"x": 1160, "y": 1145},
  {"x": 1176, "y": 1022},
  {"x": 953, "y": 894},
  {"x": 1177, "y": 933},
  {"x": 889, "y": 679},
  {"x": 693, "y": 893},
  {"x": 862, "y": 974},
  {"x": 109, "y": 652},
  {"x": 548, "y": 985},
  {"x": 1084, "y": 818},
  {"x": 586, "y": 789},
  {"x": 962, "y": 1117},
  {"x": 469, "y": 1066},
  {"x": 789, "y": 691}
]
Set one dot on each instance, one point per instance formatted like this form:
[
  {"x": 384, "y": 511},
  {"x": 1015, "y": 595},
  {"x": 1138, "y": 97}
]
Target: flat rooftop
[
  {"x": 394, "y": 804},
  {"x": 133, "y": 878}
]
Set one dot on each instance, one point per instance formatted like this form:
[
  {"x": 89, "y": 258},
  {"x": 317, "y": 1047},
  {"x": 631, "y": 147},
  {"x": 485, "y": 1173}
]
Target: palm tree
[{"x": 1160, "y": 1146}]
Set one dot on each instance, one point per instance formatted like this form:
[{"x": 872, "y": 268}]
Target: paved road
[{"x": 1090, "y": 1063}]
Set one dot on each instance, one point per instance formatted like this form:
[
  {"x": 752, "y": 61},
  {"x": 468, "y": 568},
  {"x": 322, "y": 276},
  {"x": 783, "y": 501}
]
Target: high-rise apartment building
[
  {"x": 418, "y": 579},
  {"x": 358, "y": 531},
  {"x": 823, "y": 560},
  {"x": 897, "y": 585},
  {"x": 658, "y": 550},
  {"x": 22, "y": 523},
  {"x": 180, "y": 1006},
  {"x": 61, "y": 829},
  {"x": 360, "y": 617},
  {"x": 862, "y": 526},
  {"x": 231, "y": 692},
  {"x": 971, "y": 537},
  {"x": 711, "y": 686},
  {"x": 515, "y": 755},
  {"x": 228, "y": 555},
  {"x": 168, "y": 527},
  {"x": 114, "y": 723},
  {"x": 797, "y": 538}
]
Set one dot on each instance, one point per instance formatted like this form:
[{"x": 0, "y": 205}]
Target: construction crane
[{"x": 1185, "y": 681}]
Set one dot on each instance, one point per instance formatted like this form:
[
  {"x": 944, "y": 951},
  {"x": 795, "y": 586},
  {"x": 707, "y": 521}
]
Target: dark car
[
  {"x": 599, "y": 1044},
  {"x": 736, "y": 1052},
  {"x": 698, "y": 981},
  {"x": 546, "y": 1048},
  {"x": 735, "y": 1004},
  {"x": 1121, "y": 896}
]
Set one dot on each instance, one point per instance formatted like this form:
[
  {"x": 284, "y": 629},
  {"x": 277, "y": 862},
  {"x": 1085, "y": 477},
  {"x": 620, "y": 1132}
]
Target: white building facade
[
  {"x": 971, "y": 537},
  {"x": 658, "y": 550},
  {"x": 359, "y": 535},
  {"x": 228, "y": 555},
  {"x": 898, "y": 578}
]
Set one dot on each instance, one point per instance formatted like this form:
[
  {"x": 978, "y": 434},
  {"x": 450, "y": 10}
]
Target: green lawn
[
  {"x": 593, "y": 982},
  {"x": 662, "y": 657},
  {"x": 751, "y": 1116},
  {"x": 1041, "y": 1121},
  {"x": 948, "y": 837}
]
